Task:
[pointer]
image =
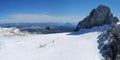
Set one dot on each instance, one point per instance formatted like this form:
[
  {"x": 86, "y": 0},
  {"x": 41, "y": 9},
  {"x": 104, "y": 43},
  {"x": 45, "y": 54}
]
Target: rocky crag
[
  {"x": 109, "y": 43},
  {"x": 100, "y": 16}
]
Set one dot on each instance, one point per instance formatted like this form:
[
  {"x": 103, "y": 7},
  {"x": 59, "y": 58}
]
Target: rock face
[
  {"x": 98, "y": 17},
  {"x": 109, "y": 43}
]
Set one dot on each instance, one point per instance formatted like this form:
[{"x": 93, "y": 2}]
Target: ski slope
[{"x": 59, "y": 46}]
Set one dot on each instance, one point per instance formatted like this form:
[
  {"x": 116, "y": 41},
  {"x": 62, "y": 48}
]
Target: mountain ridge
[{"x": 99, "y": 16}]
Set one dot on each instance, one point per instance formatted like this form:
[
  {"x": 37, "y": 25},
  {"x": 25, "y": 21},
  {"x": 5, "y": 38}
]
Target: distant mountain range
[{"x": 41, "y": 27}]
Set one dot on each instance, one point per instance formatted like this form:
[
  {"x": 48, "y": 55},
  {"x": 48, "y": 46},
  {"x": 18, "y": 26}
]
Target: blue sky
[{"x": 51, "y": 10}]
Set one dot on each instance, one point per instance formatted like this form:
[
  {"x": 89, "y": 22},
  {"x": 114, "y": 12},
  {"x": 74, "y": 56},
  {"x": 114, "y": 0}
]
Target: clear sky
[{"x": 51, "y": 10}]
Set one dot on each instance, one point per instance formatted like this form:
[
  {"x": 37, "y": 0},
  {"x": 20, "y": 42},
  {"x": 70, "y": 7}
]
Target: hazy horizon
[{"x": 40, "y": 11}]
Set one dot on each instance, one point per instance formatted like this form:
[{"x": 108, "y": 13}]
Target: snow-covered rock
[
  {"x": 109, "y": 43},
  {"x": 100, "y": 16},
  {"x": 11, "y": 32}
]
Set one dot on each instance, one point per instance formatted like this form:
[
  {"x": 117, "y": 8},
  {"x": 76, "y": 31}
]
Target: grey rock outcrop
[
  {"x": 109, "y": 43},
  {"x": 100, "y": 16}
]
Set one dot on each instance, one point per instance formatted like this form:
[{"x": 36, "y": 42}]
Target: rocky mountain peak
[
  {"x": 103, "y": 8},
  {"x": 99, "y": 16}
]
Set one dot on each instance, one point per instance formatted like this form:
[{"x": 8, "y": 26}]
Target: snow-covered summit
[{"x": 102, "y": 15}]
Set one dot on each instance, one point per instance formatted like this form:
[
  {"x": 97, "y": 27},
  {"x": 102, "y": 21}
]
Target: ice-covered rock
[{"x": 100, "y": 16}]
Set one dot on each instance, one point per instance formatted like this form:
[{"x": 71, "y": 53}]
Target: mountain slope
[{"x": 62, "y": 46}]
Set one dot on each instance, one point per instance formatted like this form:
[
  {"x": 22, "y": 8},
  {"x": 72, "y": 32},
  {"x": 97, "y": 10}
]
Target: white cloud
[{"x": 39, "y": 18}]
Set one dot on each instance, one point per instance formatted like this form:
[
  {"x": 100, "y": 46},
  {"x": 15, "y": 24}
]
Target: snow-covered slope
[{"x": 62, "y": 46}]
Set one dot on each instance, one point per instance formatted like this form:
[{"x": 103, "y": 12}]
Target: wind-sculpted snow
[
  {"x": 11, "y": 32},
  {"x": 98, "y": 17},
  {"x": 109, "y": 43}
]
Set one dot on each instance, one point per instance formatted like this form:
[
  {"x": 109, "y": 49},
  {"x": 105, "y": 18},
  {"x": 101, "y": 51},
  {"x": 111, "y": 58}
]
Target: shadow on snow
[{"x": 94, "y": 29}]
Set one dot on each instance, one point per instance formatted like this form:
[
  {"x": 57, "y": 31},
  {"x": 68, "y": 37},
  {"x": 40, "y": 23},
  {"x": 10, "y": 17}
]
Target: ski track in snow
[{"x": 59, "y": 46}]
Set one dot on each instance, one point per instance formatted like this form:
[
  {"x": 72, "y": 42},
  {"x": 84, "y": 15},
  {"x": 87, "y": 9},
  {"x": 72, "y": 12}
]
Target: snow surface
[{"x": 59, "y": 46}]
